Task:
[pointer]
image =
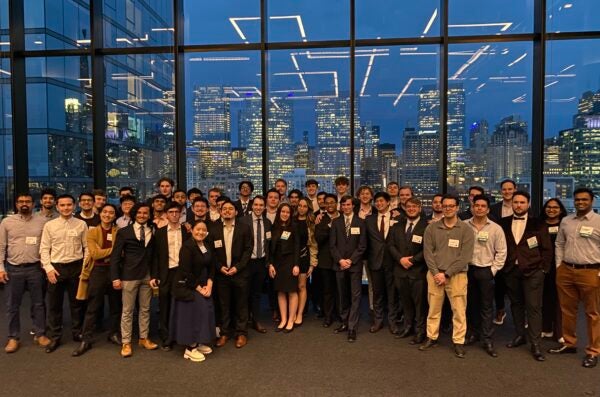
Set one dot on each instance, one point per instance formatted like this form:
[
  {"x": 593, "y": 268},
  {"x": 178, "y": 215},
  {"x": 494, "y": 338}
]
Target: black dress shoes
[
  {"x": 417, "y": 339},
  {"x": 375, "y": 328},
  {"x": 471, "y": 339},
  {"x": 590, "y": 361},
  {"x": 83, "y": 347},
  {"x": 563, "y": 349},
  {"x": 326, "y": 324},
  {"x": 518, "y": 341},
  {"x": 258, "y": 327},
  {"x": 489, "y": 349},
  {"x": 114, "y": 339},
  {"x": 459, "y": 350},
  {"x": 351, "y": 336},
  {"x": 52, "y": 346},
  {"x": 77, "y": 338},
  {"x": 537, "y": 353},
  {"x": 428, "y": 344},
  {"x": 404, "y": 333},
  {"x": 340, "y": 329}
]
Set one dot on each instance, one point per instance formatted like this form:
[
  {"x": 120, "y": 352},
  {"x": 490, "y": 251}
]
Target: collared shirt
[
  {"x": 147, "y": 232},
  {"x": 348, "y": 219},
  {"x": 435, "y": 217},
  {"x": 244, "y": 205},
  {"x": 254, "y": 229},
  {"x": 228, "y": 241},
  {"x": 161, "y": 221},
  {"x": 123, "y": 221},
  {"x": 174, "y": 241},
  {"x": 490, "y": 245},
  {"x": 214, "y": 215},
  {"x": 448, "y": 250},
  {"x": 271, "y": 215},
  {"x": 518, "y": 227},
  {"x": 578, "y": 239},
  {"x": 386, "y": 222},
  {"x": 63, "y": 241},
  {"x": 53, "y": 215},
  {"x": 183, "y": 216},
  {"x": 20, "y": 239},
  {"x": 414, "y": 222},
  {"x": 362, "y": 213},
  {"x": 506, "y": 209},
  {"x": 315, "y": 202}
]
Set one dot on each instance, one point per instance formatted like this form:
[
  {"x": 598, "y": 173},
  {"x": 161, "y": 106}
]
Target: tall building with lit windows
[
  {"x": 420, "y": 158},
  {"x": 280, "y": 139},
  {"x": 509, "y": 151},
  {"x": 250, "y": 137}
]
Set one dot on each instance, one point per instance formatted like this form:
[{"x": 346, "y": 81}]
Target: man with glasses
[
  {"x": 243, "y": 206},
  {"x": 86, "y": 213}
]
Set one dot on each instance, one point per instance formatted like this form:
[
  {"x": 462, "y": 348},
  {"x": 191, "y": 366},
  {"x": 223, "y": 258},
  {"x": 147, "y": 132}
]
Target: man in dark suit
[
  {"x": 325, "y": 267},
  {"x": 168, "y": 241},
  {"x": 468, "y": 213},
  {"x": 233, "y": 245},
  {"x": 348, "y": 242},
  {"x": 529, "y": 258},
  {"x": 405, "y": 244},
  {"x": 257, "y": 266},
  {"x": 243, "y": 205},
  {"x": 130, "y": 265},
  {"x": 381, "y": 264}
]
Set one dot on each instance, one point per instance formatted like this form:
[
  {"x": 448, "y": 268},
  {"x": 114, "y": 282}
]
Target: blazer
[
  {"x": 399, "y": 246},
  {"x": 350, "y": 247},
  {"x": 96, "y": 252},
  {"x": 496, "y": 212},
  {"x": 129, "y": 259},
  {"x": 377, "y": 253},
  {"x": 322, "y": 232},
  {"x": 241, "y": 248},
  {"x": 288, "y": 249},
  {"x": 195, "y": 269},
  {"x": 160, "y": 260},
  {"x": 240, "y": 210},
  {"x": 529, "y": 259},
  {"x": 266, "y": 229}
]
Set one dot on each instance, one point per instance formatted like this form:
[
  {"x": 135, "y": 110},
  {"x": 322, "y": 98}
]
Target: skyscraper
[
  {"x": 280, "y": 139},
  {"x": 420, "y": 158},
  {"x": 509, "y": 151},
  {"x": 250, "y": 137},
  {"x": 368, "y": 152}
]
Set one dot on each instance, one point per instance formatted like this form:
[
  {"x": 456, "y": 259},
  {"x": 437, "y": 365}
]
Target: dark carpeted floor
[{"x": 309, "y": 361}]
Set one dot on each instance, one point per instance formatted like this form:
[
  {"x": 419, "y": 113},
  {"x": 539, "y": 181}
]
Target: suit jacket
[
  {"x": 377, "y": 253},
  {"x": 195, "y": 269},
  {"x": 399, "y": 246},
  {"x": 129, "y": 259},
  {"x": 160, "y": 262},
  {"x": 240, "y": 210},
  {"x": 289, "y": 250},
  {"x": 529, "y": 259},
  {"x": 496, "y": 212},
  {"x": 241, "y": 247},
  {"x": 267, "y": 226},
  {"x": 96, "y": 252},
  {"x": 322, "y": 232},
  {"x": 350, "y": 247}
]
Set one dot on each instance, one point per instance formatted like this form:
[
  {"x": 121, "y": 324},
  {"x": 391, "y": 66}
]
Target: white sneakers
[{"x": 193, "y": 355}]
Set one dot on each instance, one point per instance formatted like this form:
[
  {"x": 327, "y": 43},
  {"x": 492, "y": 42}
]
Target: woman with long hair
[
  {"x": 305, "y": 224},
  {"x": 283, "y": 266}
]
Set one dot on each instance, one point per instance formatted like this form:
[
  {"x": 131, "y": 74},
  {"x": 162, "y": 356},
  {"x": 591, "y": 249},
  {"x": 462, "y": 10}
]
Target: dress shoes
[
  {"x": 147, "y": 344},
  {"x": 405, "y": 333},
  {"x": 500, "y": 316},
  {"x": 279, "y": 329},
  {"x": 563, "y": 349},
  {"x": 258, "y": 327},
  {"x": 375, "y": 328},
  {"x": 166, "y": 346},
  {"x": 241, "y": 341},
  {"x": 288, "y": 330},
  {"x": 326, "y": 324},
  {"x": 351, "y": 336},
  {"x": 41, "y": 340},
  {"x": 471, "y": 339},
  {"x": 518, "y": 341},
  {"x": 52, "y": 346},
  {"x": 590, "y": 361},
  {"x": 193, "y": 355},
  {"x": 221, "y": 341},
  {"x": 12, "y": 346},
  {"x": 114, "y": 339},
  {"x": 340, "y": 329},
  {"x": 429, "y": 343},
  {"x": 204, "y": 349},
  {"x": 77, "y": 338},
  {"x": 83, "y": 347},
  {"x": 489, "y": 349},
  {"x": 417, "y": 339},
  {"x": 537, "y": 353},
  {"x": 459, "y": 350},
  {"x": 126, "y": 350}
]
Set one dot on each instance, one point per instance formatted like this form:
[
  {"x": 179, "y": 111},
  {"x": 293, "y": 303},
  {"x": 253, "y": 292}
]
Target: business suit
[
  {"x": 524, "y": 274},
  {"x": 233, "y": 290},
  {"x": 351, "y": 245},
  {"x": 411, "y": 283},
  {"x": 325, "y": 269},
  {"x": 381, "y": 268},
  {"x": 240, "y": 212},
  {"x": 165, "y": 276}
]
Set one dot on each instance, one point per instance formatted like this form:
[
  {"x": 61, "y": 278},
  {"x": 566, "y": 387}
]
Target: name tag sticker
[
  {"x": 453, "y": 243},
  {"x": 532, "y": 242},
  {"x": 553, "y": 229},
  {"x": 72, "y": 233},
  {"x": 483, "y": 236},
  {"x": 31, "y": 240},
  {"x": 586, "y": 231},
  {"x": 285, "y": 235},
  {"x": 268, "y": 235},
  {"x": 109, "y": 237},
  {"x": 203, "y": 249},
  {"x": 355, "y": 230},
  {"x": 218, "y": 244},
  {"x": 417, "y": 239}
]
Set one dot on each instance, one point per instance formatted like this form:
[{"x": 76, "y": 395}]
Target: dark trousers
[
  {"x": 384, "y": 290},
  {"x": 164, "y": 305},
  {"x": 551, "y": 316},
  {"x": 480, "y": 302},
  {"x": 315, "y": 290},
  {"x": 258, "y": 274},
  {"x": 233, "y": 293},
  {"x": 499, "y": 290},
  {"x": 67, "y": 281},
  {"x": 329, "y": 292},
  {"x": 525, "y": 293},
  {"x": 413, "y": 296},
  {"x": 26, "y": 277},
  {"x": 99, "y": 285},
  {"x": 349, "y": 286}
]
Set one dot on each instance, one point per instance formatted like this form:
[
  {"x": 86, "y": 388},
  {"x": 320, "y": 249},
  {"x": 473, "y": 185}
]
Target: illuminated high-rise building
[
  {"x": 420, "y": 158},
  {"x": 368, "y": 152},
  {"x": 509, "y": 151},
  {"x": 280, "y": 137},
  {"x": 250, "y": 137}
]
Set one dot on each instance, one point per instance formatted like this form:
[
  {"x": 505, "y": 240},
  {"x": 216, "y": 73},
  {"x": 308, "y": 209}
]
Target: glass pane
[
  {"x": 572, "y": 16},
  {"x": 309, "y": 116},
  {"x": 6, "y": 158},
  {"x": 489, "y": 115},
  {"x": 140, "y": 114},
  {"x": 59, "y": 122},
  {"x": 476, "y": 17},
  {"x": 572, "y": 119},
  {"x": 219, "y": 22},
  {"x": 4, "y": 23},
  {"x": 308, "y": 20},
  {"x": 57, "y": 24},
  {"x": 224, "y": 120},
  {"x": 138, "y": 23},
  {"x": 397, "y": 139},
  {"x": 393, "y": 18}
]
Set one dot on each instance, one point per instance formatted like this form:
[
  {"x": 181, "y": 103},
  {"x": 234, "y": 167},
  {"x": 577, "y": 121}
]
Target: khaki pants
[
  {"x": 456, "y": 289},
  {"x": 133, "y": 289}
]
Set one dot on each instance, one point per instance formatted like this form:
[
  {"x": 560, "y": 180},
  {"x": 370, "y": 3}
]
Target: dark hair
[
  {"x": 406, "y": 187},
  {"x": 331, "y": 195},
  {"x": 296, "y": 192},
  {"x": 310, "y": 218},
  {"x": 273, "y": 190},
  {"x": 194, "y": 190},
  {"x": 563, "y": 210},
  {"x": 522, "y": 193},
  {"x": 260, "y": 198},
  {"x": 311, "y": 182},
  {"x": 179, "y": 191},
  {"x": 49, "y": 191},
  {"x": 482, "y": 197},
  {"x": 202, "y": 199},
  {"x": 341, "y": 180},
  {"x": 249, "y": 183},
  {"x": 127, "y": 197},
  {"x": 214, "y": 189},
  {"x": 451, "y": 197},
  {"x": 98, "y": 192},
  {"x": 114, "y": 207},
  {"x": 86, "y": 194},
  {"x": 23, "y": 194},
  {"x": 437, "y": 195},
  {"x": 414, "y": 200},
  {"x": 165, "y": 179},
  {"x": 159, "y": 197},
  {"x": 197, "y": 222},
  {"x": 364, "y": 187},
  {"x": 478, "y": 188},
  {"x": 278, "y": 215},
  {"x": 322, "y": 193},
  {"x": 172, "y": 204},
  {"x": 137, "y": 207},
  {"x": 223, "y": 199},
  {"x": 582, "y": 189},
  {"x": 346, "y": 198},
  {"x": 125, "y": 188},
  {"x": 508, "y": 181},
  {"x": 385, "y": 195},
  {"x": 392, "y": 183},
  {"x": 281, "y": 180},
  {"x": 65, "y": 195}
]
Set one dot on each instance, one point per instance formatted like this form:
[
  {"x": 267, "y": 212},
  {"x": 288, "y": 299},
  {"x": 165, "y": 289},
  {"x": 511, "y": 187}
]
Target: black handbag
[{"x": 181, "y": 291}]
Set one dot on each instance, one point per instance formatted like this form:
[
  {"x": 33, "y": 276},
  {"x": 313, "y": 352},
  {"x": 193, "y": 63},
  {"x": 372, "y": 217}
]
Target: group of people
[{"x": 208, "y": 260}]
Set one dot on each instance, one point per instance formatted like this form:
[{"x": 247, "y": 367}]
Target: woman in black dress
[
  {"x": 305, "y": 224},
  {"x": 283, "y": 266},
  {"x": 193, "y": 316}
]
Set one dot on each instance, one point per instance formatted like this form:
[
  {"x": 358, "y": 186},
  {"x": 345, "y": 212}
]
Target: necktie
[
  {"x": 244, "y": 205},
  {"x": 409, "y": 231},
  {"x": 382, "y": 226},
  {"x": 516, "y": 218},
  {"x": 143, "y": 235},
  {"x": 347, "y": 218},
  {"x": 259, "y": 240}
]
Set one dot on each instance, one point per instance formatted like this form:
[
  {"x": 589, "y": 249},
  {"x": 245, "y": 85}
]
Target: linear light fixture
[
  {"x": 430, "y": 23},
  {"x": 519, "y": 59},
  {"x": 504, "y": 25}
]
